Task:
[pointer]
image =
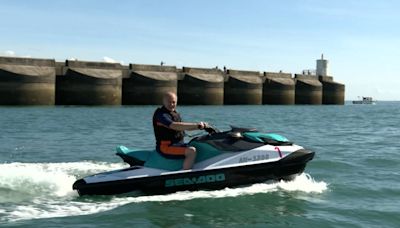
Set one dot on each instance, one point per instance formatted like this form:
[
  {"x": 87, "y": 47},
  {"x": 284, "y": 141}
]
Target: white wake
[{"x": 44, "y": 190}]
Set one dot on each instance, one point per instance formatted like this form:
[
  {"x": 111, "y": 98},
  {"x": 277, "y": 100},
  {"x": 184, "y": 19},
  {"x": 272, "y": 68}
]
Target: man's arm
[
  {"x": 166, "y": 121},
  {"x": 184, "y": 126}
]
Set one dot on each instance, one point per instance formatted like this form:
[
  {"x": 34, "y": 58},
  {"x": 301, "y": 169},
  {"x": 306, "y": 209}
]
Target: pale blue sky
[{"x": 361, "y": 39}]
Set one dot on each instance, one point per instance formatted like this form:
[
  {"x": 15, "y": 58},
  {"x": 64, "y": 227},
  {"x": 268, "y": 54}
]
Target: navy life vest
[{"x": 163, "y": 133}]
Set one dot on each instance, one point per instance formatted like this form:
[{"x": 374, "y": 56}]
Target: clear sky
[{"x": 360, "y": 38}]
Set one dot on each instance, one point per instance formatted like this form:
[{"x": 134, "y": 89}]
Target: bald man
[{"x": 169, "y": 132}]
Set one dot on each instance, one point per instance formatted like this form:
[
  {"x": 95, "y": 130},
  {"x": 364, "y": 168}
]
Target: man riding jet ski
[
  {"x": 169, "y": 132},
  {"x": 212, "y": 161},
  {"x": 239, "y": 156}
]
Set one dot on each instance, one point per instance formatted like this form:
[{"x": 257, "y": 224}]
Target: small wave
[{"x": 44, "y": 208}]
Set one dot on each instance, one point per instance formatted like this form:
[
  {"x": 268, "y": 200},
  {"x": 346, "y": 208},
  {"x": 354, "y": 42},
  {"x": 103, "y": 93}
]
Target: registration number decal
[{"x": 257, "y": 157}]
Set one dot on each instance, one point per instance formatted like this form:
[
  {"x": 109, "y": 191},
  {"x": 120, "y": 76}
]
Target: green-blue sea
[{"x": 353, "y": 181}]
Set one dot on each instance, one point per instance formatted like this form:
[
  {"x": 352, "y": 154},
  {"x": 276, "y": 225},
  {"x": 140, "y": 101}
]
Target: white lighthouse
[{"x": 322, "y": 67}]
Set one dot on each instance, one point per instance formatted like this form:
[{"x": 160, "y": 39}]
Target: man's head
[{"x": 170, "y": 101}]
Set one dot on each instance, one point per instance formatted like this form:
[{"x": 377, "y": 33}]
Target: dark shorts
[{"x": 172, "y": 150}]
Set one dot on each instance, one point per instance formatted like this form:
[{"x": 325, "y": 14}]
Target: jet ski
[{"x": 239, "y": 156}]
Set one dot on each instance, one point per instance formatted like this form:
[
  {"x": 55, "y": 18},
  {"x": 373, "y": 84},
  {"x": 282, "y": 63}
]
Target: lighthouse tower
[
  {"x": 322, "y": 66},
  {"x": 332, "y": 92}
]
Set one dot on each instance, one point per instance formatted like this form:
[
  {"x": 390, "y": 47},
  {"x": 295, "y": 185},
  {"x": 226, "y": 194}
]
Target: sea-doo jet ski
[{"x": 231, "y": 158}]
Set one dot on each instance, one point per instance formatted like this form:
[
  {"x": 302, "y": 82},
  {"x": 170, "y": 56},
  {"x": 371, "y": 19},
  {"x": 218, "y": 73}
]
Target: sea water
[{"x": 353, "y": 181}]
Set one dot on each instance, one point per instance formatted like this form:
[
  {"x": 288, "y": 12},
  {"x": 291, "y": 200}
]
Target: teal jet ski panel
[
  {"x": 204, "y": 151},
  {"x": 157, "y": 161}
]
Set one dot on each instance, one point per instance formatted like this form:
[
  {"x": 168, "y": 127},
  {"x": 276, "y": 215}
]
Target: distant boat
[{"x": 365, "y": 100}]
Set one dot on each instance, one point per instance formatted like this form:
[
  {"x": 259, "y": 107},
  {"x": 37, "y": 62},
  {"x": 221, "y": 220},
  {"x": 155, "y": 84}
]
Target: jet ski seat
[
  {"x": 153, "y": 159},
  {"x": 148, "y": 158}
]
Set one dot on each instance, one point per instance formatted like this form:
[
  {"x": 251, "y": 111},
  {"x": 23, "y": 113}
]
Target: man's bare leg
[{"x": 190, "y": 156}]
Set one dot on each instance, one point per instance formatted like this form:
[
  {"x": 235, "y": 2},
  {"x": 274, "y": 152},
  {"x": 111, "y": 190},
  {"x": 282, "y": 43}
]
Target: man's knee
[{"x": 190, "y": 151}]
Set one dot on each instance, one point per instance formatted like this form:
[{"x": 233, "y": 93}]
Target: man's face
[{"x": 170, "y": 102}]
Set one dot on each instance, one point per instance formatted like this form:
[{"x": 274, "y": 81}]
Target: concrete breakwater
[
  {"x": 28, "y": 81},
  {"x": 243, "y": 87},
  {"x": 89, "y": 83},
  {"x": 278, "y": 88},
  {"x": 146, "y": 84},
  {"x": 308, "y": 90}
]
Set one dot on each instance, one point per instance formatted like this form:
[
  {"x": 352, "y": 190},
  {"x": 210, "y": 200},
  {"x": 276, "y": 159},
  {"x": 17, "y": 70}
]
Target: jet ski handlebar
[{"x": 210, "y": 129}]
